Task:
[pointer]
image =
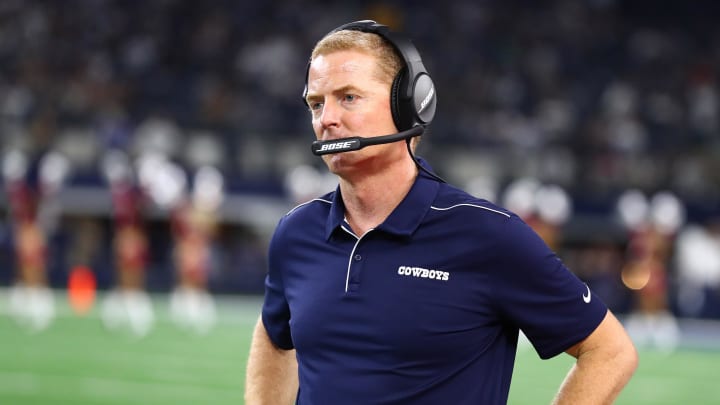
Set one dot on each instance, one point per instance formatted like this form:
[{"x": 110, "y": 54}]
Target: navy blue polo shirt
[{"x": 423, "y": 309}]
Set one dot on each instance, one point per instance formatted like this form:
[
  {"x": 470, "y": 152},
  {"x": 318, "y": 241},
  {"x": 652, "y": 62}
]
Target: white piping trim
[
  {"x": 306, "y": 203},
  {"x": 352, "y": 254},
  {"x": 348, "y": 231},
  {"x": 470, "y": 205}
]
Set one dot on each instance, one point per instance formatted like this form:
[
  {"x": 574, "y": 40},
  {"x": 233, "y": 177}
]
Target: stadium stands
[{"x": 595, "y": 96}]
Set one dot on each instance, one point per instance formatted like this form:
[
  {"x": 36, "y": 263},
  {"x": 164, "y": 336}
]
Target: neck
[{"x": 371, "y": 197}]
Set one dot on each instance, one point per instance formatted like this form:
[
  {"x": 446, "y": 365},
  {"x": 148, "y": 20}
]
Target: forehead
[{"x": 345, "y": 66}]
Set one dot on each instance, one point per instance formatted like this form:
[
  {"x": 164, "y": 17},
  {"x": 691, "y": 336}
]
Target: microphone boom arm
[{"x": 356, "y": 142}]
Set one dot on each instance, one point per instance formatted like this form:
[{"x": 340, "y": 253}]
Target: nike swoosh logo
[{"x": 587, "y": 297}]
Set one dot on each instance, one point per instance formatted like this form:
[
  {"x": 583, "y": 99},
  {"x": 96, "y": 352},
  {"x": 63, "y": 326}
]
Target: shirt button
[{"x": 358, "y": 258}]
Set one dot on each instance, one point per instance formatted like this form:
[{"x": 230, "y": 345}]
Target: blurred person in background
[
  {"x": 32, "y": 183},
  {"x": 194, "y": 225},
  {"x": 127, "y": 307},
  {"x": 652, "y": 225},
  {"x": 399, "y": 288},
  {"x": 545, "y": 207},
  {"x": 193, "y": 210},
  {"x": 698, "y": 265}
]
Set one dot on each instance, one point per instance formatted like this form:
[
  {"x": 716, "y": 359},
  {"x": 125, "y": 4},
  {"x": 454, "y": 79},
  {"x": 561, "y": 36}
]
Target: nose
[{"x": 330, "y": 116}]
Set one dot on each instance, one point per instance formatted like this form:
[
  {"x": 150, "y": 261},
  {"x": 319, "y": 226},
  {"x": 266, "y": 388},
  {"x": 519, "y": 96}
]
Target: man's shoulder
[
  {"x": 453, "y": 200},
  {"x": 305, "y": 220},
  {"x": 316, "y": 209},
  {"x": 310, "y": 207}
]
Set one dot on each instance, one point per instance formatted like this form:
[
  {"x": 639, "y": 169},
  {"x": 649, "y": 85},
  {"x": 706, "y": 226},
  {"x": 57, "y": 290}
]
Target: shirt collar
[{"x": 404, "y": 219}]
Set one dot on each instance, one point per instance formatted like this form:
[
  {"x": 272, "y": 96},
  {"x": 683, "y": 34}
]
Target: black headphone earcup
[{"x": 396, "y": 106}]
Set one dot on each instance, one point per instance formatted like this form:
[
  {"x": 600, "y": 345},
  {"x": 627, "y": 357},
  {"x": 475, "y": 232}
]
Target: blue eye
[{"x": 350, "y": 97}]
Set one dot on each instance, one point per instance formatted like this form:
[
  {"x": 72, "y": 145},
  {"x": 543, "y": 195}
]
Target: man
[{"x": 400, "y": 289}]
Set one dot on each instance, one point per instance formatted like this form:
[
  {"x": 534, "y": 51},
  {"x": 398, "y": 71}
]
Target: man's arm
[
  {"x": 605, "y": 362},
  {"x": 271, "y": 376}
]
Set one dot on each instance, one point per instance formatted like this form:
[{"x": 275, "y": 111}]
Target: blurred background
[{"x": 149, "y": 147}]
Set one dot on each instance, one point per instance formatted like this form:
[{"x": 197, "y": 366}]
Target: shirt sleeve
[
  {"x": 276, "y": 311},
  {"x": 538, "y": 294}
]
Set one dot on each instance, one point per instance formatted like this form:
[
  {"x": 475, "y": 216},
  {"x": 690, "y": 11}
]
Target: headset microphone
[{"x": 354, "y": 143}]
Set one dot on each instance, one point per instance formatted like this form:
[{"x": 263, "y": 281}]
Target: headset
[{"x": 413, "y": 99}]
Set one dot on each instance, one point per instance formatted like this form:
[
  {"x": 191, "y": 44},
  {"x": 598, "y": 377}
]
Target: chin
[
  {"x": 340, "y": 163},
  {"x": 337, "y": 161}
]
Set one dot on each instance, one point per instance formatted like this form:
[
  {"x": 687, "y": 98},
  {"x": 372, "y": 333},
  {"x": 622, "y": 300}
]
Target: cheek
[
  {"x": 380, "y": 121},
  {"x": 317, "y": 128}
]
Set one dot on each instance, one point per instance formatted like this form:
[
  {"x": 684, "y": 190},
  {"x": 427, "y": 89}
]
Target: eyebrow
[{"x": 349, "y": 88}]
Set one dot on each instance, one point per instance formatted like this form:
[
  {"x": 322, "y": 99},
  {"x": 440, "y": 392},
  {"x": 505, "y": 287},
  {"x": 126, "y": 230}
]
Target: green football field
[{"x": 76, "y": 361}]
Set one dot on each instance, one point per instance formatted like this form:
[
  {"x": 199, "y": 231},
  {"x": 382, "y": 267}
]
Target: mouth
[{"x": 329, "y": 136}]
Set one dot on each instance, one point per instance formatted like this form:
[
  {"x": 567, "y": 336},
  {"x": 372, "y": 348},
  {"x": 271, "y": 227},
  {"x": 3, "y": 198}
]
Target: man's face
[{"x": 346, "y": 98}]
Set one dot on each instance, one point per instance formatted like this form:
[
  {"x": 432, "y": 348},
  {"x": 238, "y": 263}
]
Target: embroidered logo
[{"x": 420, "y": 272}]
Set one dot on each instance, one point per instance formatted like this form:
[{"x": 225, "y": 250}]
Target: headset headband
[{"x": 402, "y": 45}]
